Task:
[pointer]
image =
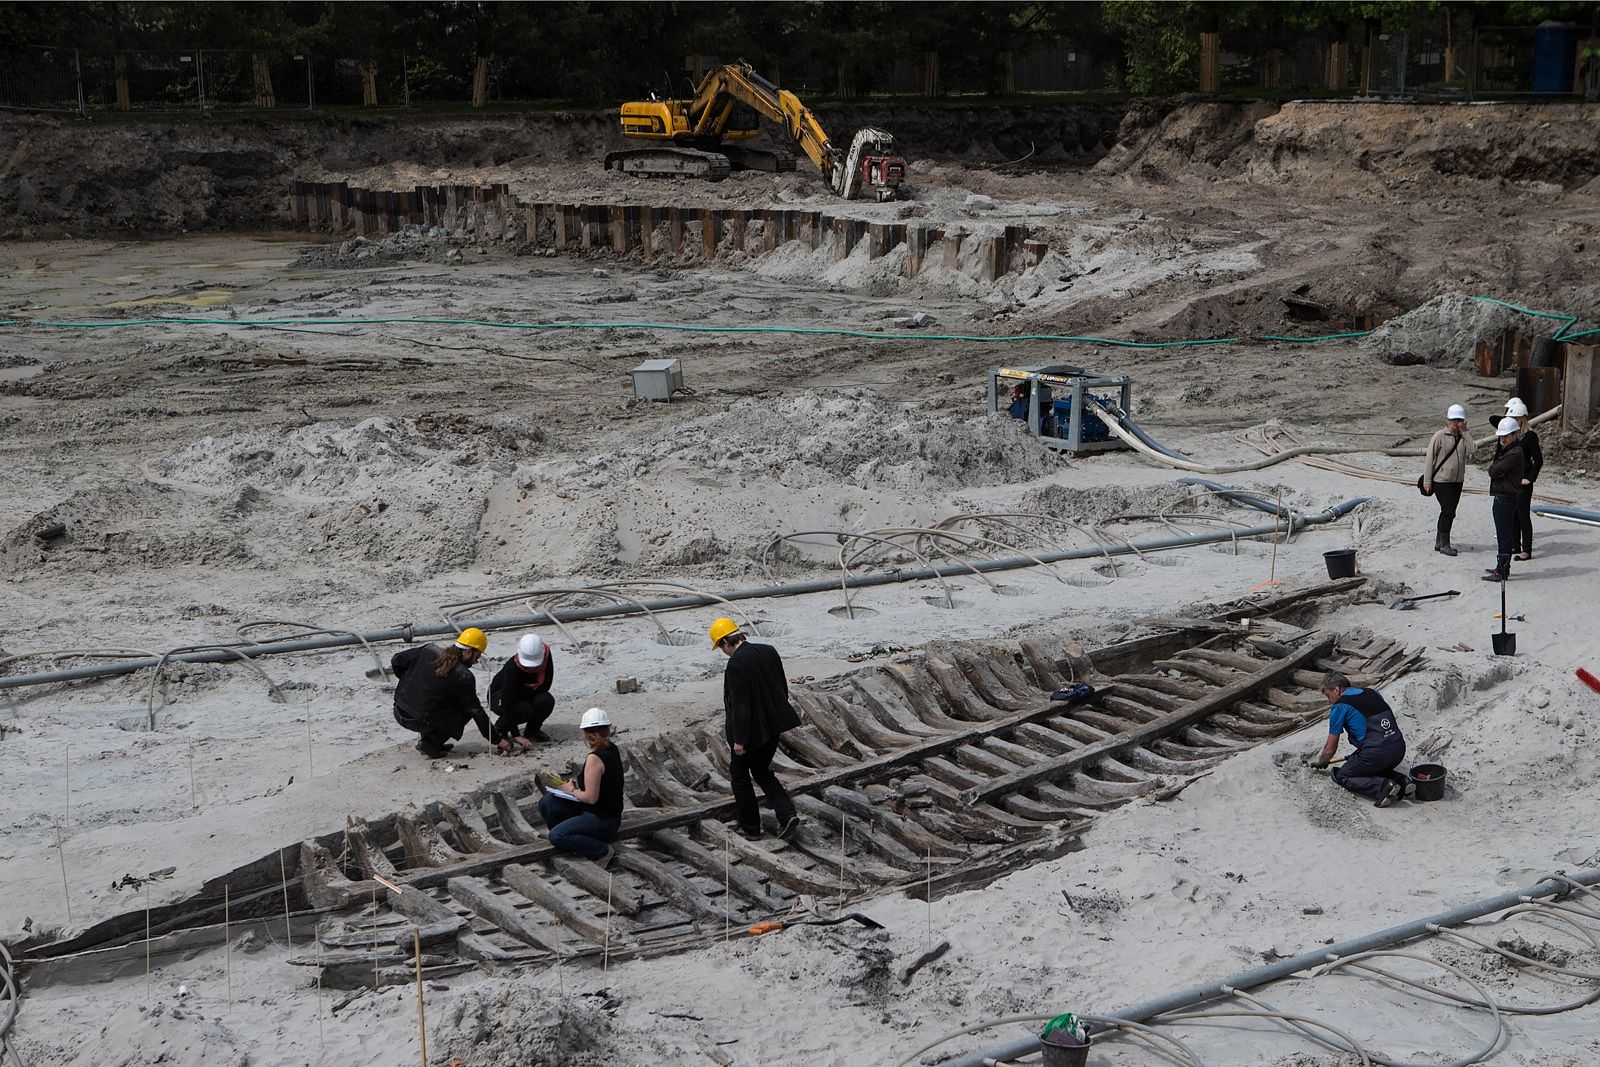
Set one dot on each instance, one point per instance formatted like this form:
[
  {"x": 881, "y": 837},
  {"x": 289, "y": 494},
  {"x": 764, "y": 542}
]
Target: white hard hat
[
  {"x": 530, "y": 650},
  {"x": 594, "y": 717},
  {"x": 1508, "y": 426},
  {"x": 1516, "y": 408},
  {"x": 1456, "y": 412}
]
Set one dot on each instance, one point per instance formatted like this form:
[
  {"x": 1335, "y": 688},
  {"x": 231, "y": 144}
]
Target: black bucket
[
  {"x": 1341, "y": 562},
  {"x": 1429, "y": 780},
  {"x": 1063, "y": 1050},
  {"x": 1504, "y": 644}
]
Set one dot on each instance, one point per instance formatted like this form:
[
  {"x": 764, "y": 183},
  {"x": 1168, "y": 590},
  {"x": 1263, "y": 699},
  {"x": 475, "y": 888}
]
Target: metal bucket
[{"x": 1429, "y": 780}]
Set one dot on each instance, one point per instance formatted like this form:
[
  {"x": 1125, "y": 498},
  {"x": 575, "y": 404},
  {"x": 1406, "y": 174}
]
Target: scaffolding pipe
[
  {"x": 1554, "y": 886},
  {"x": 412, "y": 631}
]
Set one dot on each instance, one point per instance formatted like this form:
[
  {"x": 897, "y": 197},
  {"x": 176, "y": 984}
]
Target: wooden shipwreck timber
[{"x": 940, "y": 770}]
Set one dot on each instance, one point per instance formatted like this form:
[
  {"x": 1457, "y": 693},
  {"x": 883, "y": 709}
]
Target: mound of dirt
[
  {"x": 825, "y": 438},
  {"x": 505, "y": 1023},
  {"x": 1442, "y": 332}
]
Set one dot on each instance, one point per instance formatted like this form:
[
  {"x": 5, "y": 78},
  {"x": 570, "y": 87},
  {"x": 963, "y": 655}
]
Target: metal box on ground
[
  {"x": 657, "y": 379},
  {"x": 1055, "y": 403}
]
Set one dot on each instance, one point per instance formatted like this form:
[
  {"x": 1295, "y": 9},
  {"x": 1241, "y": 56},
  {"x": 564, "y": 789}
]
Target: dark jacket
[
  {"x": 513, "y": 682},
  {"x": 755, "y": 697},
  {"x": 1506, "y": 470},
  {"x": 1533, "y": 455},
  {"x": 440, "y": 705}
]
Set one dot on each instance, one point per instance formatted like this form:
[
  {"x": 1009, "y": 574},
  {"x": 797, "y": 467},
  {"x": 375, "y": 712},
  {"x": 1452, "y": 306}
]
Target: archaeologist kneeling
[
  {"x": 520, "y": 696},
  {"x": 1370, "y": 723},
  {"x": 435, "y": 695},
  {"x": 590, "y": 820}
]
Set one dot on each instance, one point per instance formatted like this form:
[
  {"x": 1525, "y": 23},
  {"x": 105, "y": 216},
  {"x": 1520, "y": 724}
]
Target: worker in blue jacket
[{"x": 1373, "y": 729}]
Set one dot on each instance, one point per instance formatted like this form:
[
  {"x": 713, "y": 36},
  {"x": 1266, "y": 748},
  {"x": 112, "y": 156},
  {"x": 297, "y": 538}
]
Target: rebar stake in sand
[
  {"x": 227, "y": 943},
  {"x": 930, "y": 896},
  {"x": 1278, "y": 515},
  {"x": 147, "y": 941},
  {"x": 727, "y": 890},
  {"x": 66, "y": 783},
  {"x": 841, "y": 860},
  {"x": 66, "y": 894},
  {"x": 374, "y": 935},
  {"x": 605, "y": 956},
  {"x": 311, "y": 769},
  {"x": 283, "y": 869},
  {"x": 322, "y": 1036},
  {"x": 422, "y": 1025},
  {"x": 561, "y": 977},
  {"x": 194, "y": 793}
]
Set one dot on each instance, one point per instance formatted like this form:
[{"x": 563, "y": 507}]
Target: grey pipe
[
  {"x": 410, "y": 632},
  {"x": 1237, "y": 496},
  {"x": 1578, "y": 515},
  {"x": 1272, "y": 972},
  {"x": 1114, "y": 409}
]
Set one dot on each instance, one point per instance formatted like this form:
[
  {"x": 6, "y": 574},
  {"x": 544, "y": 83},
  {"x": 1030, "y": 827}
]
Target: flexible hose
[
  {"x": 1107, "y": 1021},
  {"x": 10, "y": 995}
]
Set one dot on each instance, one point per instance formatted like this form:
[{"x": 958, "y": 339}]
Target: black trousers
[
  {"x": 1448, "y": 494},
  {"x": 1525, "y": 519},
  {"x": 522, "y": 717},
  {"x": 1368, "y": 770},
  {"x": 1507, "y": 531},
  {"x": 756, "y": 763},
  {"x": 434, "y": 734}
]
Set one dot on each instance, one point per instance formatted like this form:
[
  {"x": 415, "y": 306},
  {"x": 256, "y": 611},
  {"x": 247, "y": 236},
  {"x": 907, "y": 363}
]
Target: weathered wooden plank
[
  {"x": 678, "y": 890},
  {"x": 532, "y": 884},
  {"x": 513, "y": 826},
  {"x": 1177, "y": 720},
  {"x": 369, "y": 857},
  {"x": 478, "y": 897},
  {"x": 590, "y": 878},
  {"x": 711, "y": 867},
  {"x": 749, "y": 854},
  {"x": 471, "y": 830},
  {"x": 424, "y": 846}
]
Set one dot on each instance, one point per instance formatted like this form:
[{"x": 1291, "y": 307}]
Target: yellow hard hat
[
  {"x": 472, "y": 637},
  {"x": 722, "y": 628}
]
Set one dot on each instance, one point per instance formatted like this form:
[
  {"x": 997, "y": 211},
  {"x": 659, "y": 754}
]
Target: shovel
[
  {"x": 1504, "y": 644},
  {"x": 1406, "y": 603}
]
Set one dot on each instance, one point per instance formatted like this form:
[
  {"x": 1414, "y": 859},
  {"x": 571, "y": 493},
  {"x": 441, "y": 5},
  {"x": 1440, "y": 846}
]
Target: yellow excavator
[{"x": 702, "y": 137}]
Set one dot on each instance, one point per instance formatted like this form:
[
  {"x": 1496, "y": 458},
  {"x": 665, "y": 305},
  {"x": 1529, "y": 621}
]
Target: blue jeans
[{"x": 574, "y": 828}]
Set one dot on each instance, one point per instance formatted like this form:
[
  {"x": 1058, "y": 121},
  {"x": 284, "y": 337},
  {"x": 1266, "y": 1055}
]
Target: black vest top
[{"x": 609, "y": 802}]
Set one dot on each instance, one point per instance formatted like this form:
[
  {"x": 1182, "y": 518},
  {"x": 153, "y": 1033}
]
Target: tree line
[{"x": 597, "y": 53}]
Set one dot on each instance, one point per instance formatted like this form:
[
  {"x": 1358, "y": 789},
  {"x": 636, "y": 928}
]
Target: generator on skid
[{"x": 1061, "y": 405}]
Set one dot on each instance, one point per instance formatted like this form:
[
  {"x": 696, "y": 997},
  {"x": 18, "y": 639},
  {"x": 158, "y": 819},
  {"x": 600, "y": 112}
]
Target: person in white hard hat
[
  {"x": 519, "y": 695},
  {"x": 1506, "y": 475},
  {"x": 590, "y": 820},
  {"x": 1533, "y": 457},
  {"x": 1446, "y": 466}
]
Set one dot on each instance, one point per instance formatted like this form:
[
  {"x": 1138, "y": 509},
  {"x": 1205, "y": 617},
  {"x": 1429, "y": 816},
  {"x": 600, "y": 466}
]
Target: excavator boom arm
[{"x": 712, "y": 103}]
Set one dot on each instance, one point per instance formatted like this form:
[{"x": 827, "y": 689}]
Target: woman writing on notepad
[{"x": 588, "y": 818}]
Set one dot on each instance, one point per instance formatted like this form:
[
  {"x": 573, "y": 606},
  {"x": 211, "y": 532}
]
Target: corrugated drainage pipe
[
  {"x": 1259, "y": 976},
  {"x": 411, "y": 632}
]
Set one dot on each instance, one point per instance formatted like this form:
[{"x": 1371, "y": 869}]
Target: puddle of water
[
  {"x": 941, "y": 602},
  {"x": 857, "y": 612}
]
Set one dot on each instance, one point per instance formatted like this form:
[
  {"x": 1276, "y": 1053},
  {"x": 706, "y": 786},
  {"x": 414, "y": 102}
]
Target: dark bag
[{"x": 1423, "y": 480}]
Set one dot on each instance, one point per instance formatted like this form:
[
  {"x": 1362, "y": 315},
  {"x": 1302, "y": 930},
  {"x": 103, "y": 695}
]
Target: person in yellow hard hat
[
  {"x": 435, "y": 694},
  {"x": 756, "y": 712}
]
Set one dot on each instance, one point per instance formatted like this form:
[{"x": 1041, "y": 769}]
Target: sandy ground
[{"x": 207, "y": 482}]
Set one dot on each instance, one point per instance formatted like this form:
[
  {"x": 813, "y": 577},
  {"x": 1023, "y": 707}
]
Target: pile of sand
[
  {"x": 823, "y": 438},
  {"x": 1442, "y": 332},
  {"x": 508, "y": 1023}
]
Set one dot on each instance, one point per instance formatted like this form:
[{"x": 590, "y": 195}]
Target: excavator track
[{"x": 670, "y": 163}]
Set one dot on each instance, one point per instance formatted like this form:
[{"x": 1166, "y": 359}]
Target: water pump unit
[{"x": 1057, "y": 404}]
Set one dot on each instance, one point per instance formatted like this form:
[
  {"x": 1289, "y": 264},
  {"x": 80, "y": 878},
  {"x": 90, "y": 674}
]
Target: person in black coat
[
  {"x": 519, "y": 695},
  {"x": 1507, "y": 472},
  {"x": 1533, "y": 462},
  {"x": 756, "y": 712},
  {"x": 435, "y": 695}
]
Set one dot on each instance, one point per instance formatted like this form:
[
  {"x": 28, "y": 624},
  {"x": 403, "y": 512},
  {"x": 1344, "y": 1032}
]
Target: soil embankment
[{"x": 163, "y": 175}]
